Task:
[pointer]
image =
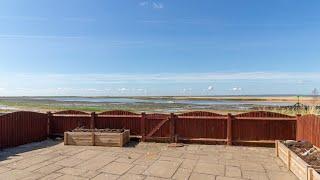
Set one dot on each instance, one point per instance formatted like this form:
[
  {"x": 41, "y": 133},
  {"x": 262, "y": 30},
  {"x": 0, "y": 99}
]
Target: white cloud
[
  {"x": 142, "y": 84},
  {"x": 151, "y": 4},
  {"x": 123, "y": 89},
  {"x": 94, "y": 90},
  {"x": 236, "y": 89},
  {"x": 144, "y": 3},
  {"x": 157, "y": 5}
]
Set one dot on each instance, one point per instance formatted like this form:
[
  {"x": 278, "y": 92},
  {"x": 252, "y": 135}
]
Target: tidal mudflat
[{"x": 144, "y": 104}]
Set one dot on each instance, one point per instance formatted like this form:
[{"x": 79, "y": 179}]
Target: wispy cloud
[
  {"x": 125, "y": 43},
  {"x": 157, "y": 5},
  {"x": 157, "y": 84},
  {"x": 164, "y": 77},
  {"x": 152, "y": 4},
  {"x": 80, "y": 19},
  {"x": 144, "y": 3}
]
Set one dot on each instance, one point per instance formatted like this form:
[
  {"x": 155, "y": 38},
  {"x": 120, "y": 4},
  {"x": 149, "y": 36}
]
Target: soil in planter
[
  {"x": 306, "y": 151},
  {"x": 99, "y": 130}
]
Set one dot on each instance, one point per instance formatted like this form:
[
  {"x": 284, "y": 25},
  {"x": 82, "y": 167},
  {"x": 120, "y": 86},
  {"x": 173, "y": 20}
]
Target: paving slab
[
  {"x": 151, "y": 161},
  {"x": 69, "y": 162},
  {"x": 72, "y": 171},
  {"x": 34, "y": 176},
  {"x": 138, "y": 169},
  {"x": 163, "y": 169},
  {"x": 188, "y": 164},
  {"x": 27, "y": 162},
  {"x": 15, "y": 174},
  {"x": 209, "y": 168},
  {"x": 227, "y": 178},
  {"x": 154, "y": 178},
  {"x": 116, "y": 168},
  {"x": 38, "y": 166},
  {"x": 105, "y": 176},
  {"x": 254, "y": 175},
  {"x": 252, "y": 166},
  {"x": 51, "y": 176},
  {"x": 4, "y": 169},
  {"x": 48, "y": 169},
  {"x": 90, "y": 174},
  {"x": 282, "y": 176},
  {"x": 198, "y": 176},
  {"x": 182, "y": 174},
  {"x": 87, "y": 154},
  {"x": 95, "y": 163},
  {"x": 129, "y": 176},
  {"x": 233, "y": 171},
  {"x": 70, "y": 177}
]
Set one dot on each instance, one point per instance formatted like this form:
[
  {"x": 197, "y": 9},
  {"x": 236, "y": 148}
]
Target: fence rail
[{"x": 202, "y": 127}]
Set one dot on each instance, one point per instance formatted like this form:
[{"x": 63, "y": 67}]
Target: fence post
[
  {"x": 49, "y": 119},
  {"x": 229, "y": 129},
  {"x": 298, "y": 131},
  {"x": 172, "y": 127},
  {"x": 92, "y": 120},
  {"x": 143, "y": 126}
]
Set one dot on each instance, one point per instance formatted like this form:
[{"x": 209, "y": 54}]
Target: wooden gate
[{"x": 157, "y": 128}]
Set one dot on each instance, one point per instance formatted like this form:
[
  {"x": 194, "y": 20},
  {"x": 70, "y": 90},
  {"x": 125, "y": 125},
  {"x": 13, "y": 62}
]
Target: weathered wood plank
[{"x": 97, "y": 138}]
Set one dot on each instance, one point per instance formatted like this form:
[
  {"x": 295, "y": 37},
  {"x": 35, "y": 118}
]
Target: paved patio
[{"x": 53, "y": 160}]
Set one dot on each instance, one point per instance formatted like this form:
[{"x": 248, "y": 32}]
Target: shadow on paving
[
  {"x": 132, "y": 143},
  {"x": 15, "y": 151}
]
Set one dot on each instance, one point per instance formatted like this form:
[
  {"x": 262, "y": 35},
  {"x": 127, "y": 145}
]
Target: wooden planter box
[
  {"x": 313, "y": 174},
  {"x": 97, "y": 138},
  {"x": 295, "y": 164}
]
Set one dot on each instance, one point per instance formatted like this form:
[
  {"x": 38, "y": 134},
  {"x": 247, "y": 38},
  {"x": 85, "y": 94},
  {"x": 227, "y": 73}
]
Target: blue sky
[{"x": 163, "y": 47}]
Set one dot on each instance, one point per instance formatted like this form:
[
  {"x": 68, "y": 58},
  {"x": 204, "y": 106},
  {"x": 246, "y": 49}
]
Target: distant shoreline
[
  {"x": 267, "y": 98},
  {"x": 155, "y": 104}
]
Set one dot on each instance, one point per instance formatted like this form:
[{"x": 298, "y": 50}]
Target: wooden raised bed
[
  {"x": 295, "y": 164},
  {"x": 96, "y": 138},
  {"x": 313, "y": 174}
]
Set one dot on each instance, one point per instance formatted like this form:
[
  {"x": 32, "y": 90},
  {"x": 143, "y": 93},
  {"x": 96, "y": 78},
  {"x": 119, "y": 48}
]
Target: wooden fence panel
[
  {"x": 263, "y": 126},
  {"x": 308, "y": 128},
  {"x": 118, "y": 119},
  {"x": 62, "y": 123},
  {"x": 68, "y": 120},
  {"x": 120, "y": 122},
  {"x": 201, "y": 125},
  {"x": 22, "y": 127}
]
